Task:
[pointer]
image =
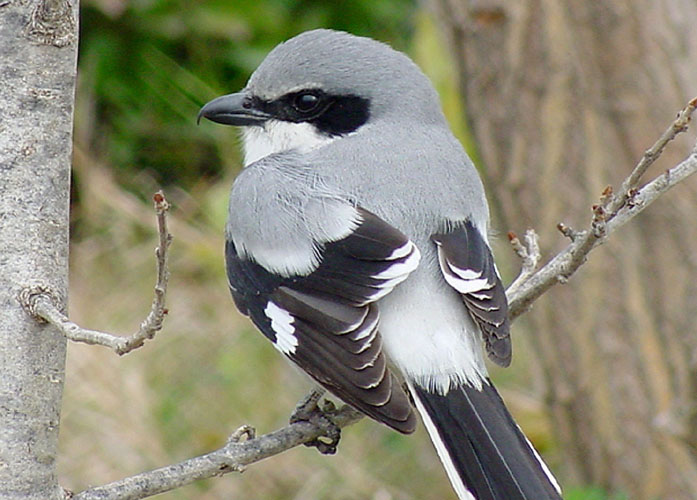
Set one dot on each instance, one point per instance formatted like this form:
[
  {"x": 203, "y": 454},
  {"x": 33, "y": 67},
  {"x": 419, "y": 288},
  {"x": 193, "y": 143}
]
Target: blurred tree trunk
[
  {"x": 562, "y": 98},
  {"x": 37, "y": 82}
]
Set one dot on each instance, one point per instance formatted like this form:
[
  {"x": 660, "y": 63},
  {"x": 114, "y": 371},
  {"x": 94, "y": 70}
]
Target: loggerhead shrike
[{"x": 356, "y": 241}]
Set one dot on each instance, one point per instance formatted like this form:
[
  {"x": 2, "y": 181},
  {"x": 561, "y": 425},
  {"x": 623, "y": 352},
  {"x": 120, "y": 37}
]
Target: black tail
[{"x": 485, "y": 453}]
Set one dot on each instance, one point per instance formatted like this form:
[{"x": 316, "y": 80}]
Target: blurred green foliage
[{"x": 592, "y": 494}]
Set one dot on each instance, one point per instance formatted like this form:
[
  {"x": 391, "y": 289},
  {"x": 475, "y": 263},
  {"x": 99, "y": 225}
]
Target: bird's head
[{"x": 322, "y": 85}]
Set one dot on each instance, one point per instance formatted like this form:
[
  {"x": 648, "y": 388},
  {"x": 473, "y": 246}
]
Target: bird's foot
[{"x": 309, "y": 410}]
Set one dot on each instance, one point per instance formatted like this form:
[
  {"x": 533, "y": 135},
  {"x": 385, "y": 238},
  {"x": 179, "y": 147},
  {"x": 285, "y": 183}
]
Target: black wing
[
  {"x": 327, "y": 321},
  {"x": 468, "y": 266}
]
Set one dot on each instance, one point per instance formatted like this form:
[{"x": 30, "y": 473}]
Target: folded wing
[{"x": 327, "y": 321}]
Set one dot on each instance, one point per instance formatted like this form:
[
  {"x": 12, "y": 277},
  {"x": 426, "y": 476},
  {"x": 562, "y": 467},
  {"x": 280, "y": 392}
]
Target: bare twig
[
  {"x": 643, "y": 197},
  {"x": 41, "y": 303},
  {"x": 567, "y": 231},
  {"x": 233, "y": 457},
  {"x": 244, "y": 431},
  {"x": 529, "y": 252},
  {"x": 630, "y": 184},
  {"x": 612, "y": 211}
]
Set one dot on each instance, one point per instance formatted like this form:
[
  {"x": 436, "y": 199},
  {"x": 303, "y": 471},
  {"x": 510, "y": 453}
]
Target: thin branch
[
  {"x": 643, "y": 197},
  {"x": 613, "y": 211},
  {"x": 233, "y": 457},
  {"x": 678, "y": 126},
  {"x": 529, "y": 252},
  {"x": 40, "y": 300}
]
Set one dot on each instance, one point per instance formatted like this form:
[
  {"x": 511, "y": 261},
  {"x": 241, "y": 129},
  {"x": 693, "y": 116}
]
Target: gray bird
[{"x": 357, "y": 243}]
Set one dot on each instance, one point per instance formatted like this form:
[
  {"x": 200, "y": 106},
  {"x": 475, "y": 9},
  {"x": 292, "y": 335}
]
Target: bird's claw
[
  {"x": 308, "y": 410},
  {"x": 327, "y": 443}
]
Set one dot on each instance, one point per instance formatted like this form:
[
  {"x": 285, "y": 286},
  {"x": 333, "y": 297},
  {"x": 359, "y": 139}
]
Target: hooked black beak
[{"x": 233, "y": 109}]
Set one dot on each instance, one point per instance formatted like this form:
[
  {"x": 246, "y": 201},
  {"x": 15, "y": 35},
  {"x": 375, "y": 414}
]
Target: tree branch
[
  {"x": 233, "y": 457},
  {"x": 612, "y": 212},
  {"x": 41, "y": 301}
]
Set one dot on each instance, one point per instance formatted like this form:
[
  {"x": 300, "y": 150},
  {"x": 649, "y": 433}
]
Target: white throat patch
[{"x": 275, "y": 136}]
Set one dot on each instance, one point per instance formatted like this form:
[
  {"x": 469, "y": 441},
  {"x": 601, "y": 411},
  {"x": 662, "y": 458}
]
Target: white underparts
[
  {"x": 434, "y": 342},
  {"x": 275, "y": 136}
]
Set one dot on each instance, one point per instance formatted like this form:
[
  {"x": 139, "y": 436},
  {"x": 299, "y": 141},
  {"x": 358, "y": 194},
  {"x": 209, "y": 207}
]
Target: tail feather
[{"x": 484, "y": 452}]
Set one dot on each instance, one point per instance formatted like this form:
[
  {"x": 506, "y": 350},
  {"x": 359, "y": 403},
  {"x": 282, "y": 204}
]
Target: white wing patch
[
  {"x": 398, "y": 272},
  {"x": 466, "y": 274},
  {"x": 402, "y": 251},
  {"x": 282, "y": 325},
  {"x": 462, "y": 280}
]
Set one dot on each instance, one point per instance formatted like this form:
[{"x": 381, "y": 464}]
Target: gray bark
[{"x": 37, "y": 82}]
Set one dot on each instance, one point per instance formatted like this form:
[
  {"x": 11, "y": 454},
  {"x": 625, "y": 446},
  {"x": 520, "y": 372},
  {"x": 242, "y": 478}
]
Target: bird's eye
[{"x": 306, "y": 102}]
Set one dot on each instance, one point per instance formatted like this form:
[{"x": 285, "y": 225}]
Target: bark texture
[
  {"x": 562, "y": 98},
  {"x": 37, "y": 81}
]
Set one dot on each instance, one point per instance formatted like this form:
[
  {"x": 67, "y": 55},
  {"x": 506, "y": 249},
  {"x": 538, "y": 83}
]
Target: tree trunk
[
  {"x": 562, "y": 98},
  {"x": 37, "y": 82}
]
